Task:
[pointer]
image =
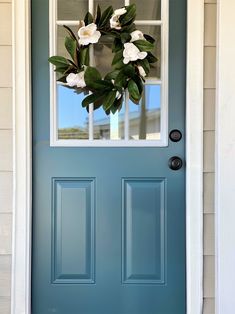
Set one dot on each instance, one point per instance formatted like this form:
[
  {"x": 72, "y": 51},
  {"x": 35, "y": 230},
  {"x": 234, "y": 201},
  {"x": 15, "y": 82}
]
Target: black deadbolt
[
  {"x": 175, "y": 135},
  {"x": 175, "y": 163}
]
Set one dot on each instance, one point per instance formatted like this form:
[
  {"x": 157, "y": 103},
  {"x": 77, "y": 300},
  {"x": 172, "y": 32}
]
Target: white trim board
[
  {"x": 194, "y": 156},
  {"x": 21, "y": 233},
  {"x": 225, "y": 154},
  {"x": 21, "y": 266}
]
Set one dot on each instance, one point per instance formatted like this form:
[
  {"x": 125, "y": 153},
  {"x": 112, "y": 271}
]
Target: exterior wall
[
  {"x": 5, "y": 154},
  {"x": 209, "y": 143}
]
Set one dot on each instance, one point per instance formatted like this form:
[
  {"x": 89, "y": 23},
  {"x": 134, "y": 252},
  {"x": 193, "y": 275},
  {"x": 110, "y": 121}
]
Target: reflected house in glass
[
  {"x": 146, "y": 126},
  {"x": 144, "y": 120},
  {"x": 73, "y": 133}
]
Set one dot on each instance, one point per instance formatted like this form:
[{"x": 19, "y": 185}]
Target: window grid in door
[{"x": 125, "y": 139}]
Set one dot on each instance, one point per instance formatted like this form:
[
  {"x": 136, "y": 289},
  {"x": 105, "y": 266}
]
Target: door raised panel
[
  {"x": 143, "y": 224},
  {"x": 73, "y": 231}
]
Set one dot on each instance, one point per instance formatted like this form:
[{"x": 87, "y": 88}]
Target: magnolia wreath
[{"x": 130, "y": 65}]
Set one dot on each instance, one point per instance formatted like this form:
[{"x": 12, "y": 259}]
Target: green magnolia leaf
[
  {"x": 111, "y": 75},
  {"x": 129, "y": 16},
  {"x": 149, "y": 38},
  {"x": 91, "y": 75},
  {"x": 117, "y": 45},
  {"x": 88, "y": 18},
  {"x": 129, "y": 28},
  {"x": 62, "y": 79},
  {"x": 98, "y": 103},
  {"x": 139, "y": 83},
  {"x": 119, "y": 65},
  {"x": 129, "y": 70},
  {"x": 97, "y": 85},
  {"x": 61, "y": 70},
  {"x": 109, "y": 100},
  {"x": 114, "y": 109},
  {"x": 143, "y": 45},
  {"x": 105, "y": 17},
  {"x": 134, "y": 90},
  {"x": 70, "y": 69},
  {"x": 151, "y": 58},
  {"x": 98, "y": 15},
  {"x": 102, "y": 85},
  {"x": 58, "y": 61},
  {"x": 121, "y": 80},
  {"x": 145, "y": 64},
  {"x": 84, "y": 55},
  {"x": 125, "y": 37},
  {"x": 117, "y": 57},
  {"x": 91, "y": 99},
  {"x": 73, "y": 64},
  {"x": 70, "y": 32},
  {"x": 71, "y": 47},
  {"x": 117, "y": 105}
]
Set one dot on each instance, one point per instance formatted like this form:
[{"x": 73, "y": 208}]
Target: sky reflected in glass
[{"x": 144, "y": 118}]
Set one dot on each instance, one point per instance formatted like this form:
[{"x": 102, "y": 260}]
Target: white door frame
[
  {"x": 22, "y": 209},
  {"x": 225, "y": 155}
]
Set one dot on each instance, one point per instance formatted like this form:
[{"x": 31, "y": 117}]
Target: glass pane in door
[
  {"x": 103, "y": 55},
  {"x": 71, "y": 9},
  {"x": 155, "y": 32},
  {"x": 61, "y": 34},
  {"x": 109, "y": 127},
  {"x": 73, "y": 122},
  {"x": 144, "y": 118},
  {"x": 148, "y": 9},
  {"x": 116, "y": 4}
]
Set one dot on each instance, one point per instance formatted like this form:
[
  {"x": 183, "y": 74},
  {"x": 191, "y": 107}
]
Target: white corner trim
[
  {"x": 21, "y": 236},
  {"x": 21, "y": 264},
  {"x": 225, "y": 155},
  {"x": 194, "y": 156}
]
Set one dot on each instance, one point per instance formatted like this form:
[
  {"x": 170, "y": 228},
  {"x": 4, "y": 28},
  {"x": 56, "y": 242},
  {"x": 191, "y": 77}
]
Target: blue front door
[{"x": 108, "y": 222}]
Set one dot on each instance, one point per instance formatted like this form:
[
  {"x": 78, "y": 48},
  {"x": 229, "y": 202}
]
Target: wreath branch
[{"x": 131, "y": 63}]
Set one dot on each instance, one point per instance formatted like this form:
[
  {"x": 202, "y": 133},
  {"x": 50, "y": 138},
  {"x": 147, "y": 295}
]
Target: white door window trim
[
  {"x": 163, "y": 83},
  {"x": 22, "y": 209}
]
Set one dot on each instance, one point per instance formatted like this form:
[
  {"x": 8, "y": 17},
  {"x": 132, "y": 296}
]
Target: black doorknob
[{"x": 175, "y": 163}]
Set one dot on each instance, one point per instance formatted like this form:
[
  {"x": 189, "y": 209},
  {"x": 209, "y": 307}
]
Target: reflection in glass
[
  {"x": 103, "y": 54},
  {"x": 61, "y": 34},
  {"x": 155, "y": 32},
  {"x": 116, "y": 4},
  {"x": 72, "y": 118},
  {"x": 109, "y": 127},
  {"x": 72, "y": 9},
  {"x": 144, "y": 119},
  {"x": 148, "y": 9}
]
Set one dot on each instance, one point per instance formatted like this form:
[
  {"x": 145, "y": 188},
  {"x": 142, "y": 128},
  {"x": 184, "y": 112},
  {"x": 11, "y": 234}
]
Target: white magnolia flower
[
  {"x": 76, "y": 79},
  {"x": 132, "y": 53},
  {"x": 137, "y": 35},
  {"x": 114, "y": 21},
  {"x": 88, "y": 34},
  {"x": 120, "y": 12},
  {"x": 141, "y": 71}
]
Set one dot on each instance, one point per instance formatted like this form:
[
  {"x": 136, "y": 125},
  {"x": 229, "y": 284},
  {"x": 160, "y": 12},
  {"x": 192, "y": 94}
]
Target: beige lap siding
[
  {"x": 209, "y": 151},
  {"x": 5, "y": 154}
]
